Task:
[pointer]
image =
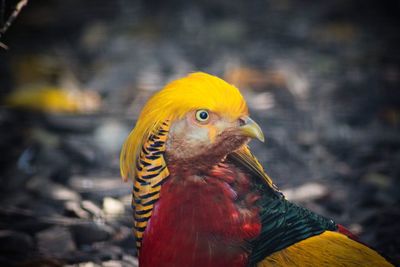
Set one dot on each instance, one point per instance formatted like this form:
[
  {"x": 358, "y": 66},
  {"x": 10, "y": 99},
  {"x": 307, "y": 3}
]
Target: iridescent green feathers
[{"x": 284, "y": 224}]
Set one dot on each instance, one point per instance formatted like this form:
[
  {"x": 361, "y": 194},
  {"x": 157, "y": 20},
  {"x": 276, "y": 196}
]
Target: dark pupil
[{"x": 203, "y": 115}]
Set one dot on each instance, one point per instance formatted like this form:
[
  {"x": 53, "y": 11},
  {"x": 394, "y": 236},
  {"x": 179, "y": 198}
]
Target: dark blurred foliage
[{"x": 322, "y": 79}]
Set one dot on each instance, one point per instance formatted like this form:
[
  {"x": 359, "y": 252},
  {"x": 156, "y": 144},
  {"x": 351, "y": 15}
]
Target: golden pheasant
[{"x": 201, "y": 198}]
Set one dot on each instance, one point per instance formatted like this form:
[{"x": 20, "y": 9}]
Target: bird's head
[{"x": 205, "y": 118}]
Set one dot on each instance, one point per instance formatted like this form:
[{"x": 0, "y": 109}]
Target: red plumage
[
  {"x": 343, "y": 230},
  {"x": 213, "y": 233}
]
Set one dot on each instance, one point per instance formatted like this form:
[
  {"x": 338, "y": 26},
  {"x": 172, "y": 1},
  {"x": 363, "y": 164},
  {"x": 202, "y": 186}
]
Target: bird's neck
[{"x": 202, "y": 220}]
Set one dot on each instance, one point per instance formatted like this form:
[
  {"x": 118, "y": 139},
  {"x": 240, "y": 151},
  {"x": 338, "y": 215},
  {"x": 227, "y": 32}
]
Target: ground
[{"x": 321, "y": 79}]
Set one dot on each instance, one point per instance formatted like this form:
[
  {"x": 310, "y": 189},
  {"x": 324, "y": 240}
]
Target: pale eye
[{"x": 202, "y": 115}]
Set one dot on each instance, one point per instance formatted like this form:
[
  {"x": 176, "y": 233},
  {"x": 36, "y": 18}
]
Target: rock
[
  {"x": 113, "y": 207},
  {"x": 25, "y": 219},
  {"x": 227, "y": 30},
  {"x": 296, "y": 79},
  {"x": 306, "y": 138},
  {"x": 130, "y": 260},
  {"x": 112, "y": 263},
  {"x": 110, "y": 136},
  {"x": 99, "y": 187},
  {"x": 94, "y": 35},
  {"x": 102, "y": 251},
  {"x": 385, "y": 198},
  {"x": 126, "y": 200},
  {"x": 93, "y": 209},
  {"x": 378, "y": 180},
  {"x": 87, "y": 264},
  {"x": 55, "y": 241},
  {"x": 12, "y": 242},
  {"x": 81, "y": 150},
  {"x": 306, "y": 192},
  {"x": 247, "y": 77},
  {"x": 261, "y": 101},
  {"x": 75, "y": 208},
  {"x": 356, "y": 228},
  {"x": 33, "y": 262},
  {"x": 124, "y": 237},
  {"x": 46, "y": 188},
  {"x": 88, "y": 233},
  {"x": 107, "y": 252},
  {"x": 83, "y": 264},
  {"x": 60, "y": 192}
]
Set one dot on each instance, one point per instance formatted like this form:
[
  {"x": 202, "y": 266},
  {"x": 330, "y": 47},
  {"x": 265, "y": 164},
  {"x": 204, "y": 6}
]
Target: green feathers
[{"x": 283, "y": 224}]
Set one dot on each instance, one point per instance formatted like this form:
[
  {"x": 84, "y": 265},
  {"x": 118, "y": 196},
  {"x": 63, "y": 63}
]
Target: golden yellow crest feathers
[{"x": 195, "y": 91}]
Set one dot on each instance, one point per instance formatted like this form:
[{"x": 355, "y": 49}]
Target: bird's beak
[{"x": 251, "y": 129}]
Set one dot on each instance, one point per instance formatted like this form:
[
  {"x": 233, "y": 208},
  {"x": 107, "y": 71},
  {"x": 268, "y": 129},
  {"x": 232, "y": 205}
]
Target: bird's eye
[{"x": 202, "y": 115}]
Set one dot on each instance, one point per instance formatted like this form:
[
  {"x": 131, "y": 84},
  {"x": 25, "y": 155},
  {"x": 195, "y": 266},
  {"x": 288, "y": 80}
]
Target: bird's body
[
  {"x": 202, "y": 199},
  {"x": 212, "y": 234}
]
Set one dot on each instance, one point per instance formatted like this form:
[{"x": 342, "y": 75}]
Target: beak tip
[
  {"x": 252, "y": 129},
  {"x": 260, "y": 137}
]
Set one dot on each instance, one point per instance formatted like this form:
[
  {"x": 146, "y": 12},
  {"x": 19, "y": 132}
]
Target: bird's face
[{"x": 203, "y": 131}]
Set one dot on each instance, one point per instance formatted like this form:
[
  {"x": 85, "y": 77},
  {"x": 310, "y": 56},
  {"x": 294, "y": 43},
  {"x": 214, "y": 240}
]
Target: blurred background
[{"x": 322, "y": 78}]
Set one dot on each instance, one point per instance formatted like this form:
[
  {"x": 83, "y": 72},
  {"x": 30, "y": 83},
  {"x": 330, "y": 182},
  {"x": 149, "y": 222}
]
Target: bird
[{"x": 201, "y": 198}]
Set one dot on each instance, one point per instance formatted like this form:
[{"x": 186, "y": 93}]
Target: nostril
[{"x": 242, "y": 122}]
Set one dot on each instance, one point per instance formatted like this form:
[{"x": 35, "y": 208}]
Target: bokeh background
[{"x": 321, "y": 77}]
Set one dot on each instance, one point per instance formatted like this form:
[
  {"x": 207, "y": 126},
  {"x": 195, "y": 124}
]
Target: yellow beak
[{"x": 251, "y": 129}]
